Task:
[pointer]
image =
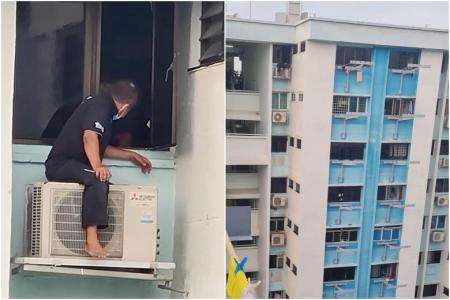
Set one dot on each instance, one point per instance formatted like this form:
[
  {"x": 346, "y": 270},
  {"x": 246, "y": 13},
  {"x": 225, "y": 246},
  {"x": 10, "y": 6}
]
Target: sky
[{"x": 433, "y": 14}]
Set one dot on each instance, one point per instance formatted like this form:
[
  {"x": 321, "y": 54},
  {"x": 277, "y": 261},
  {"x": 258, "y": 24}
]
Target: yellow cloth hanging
[
  {"x": 359, "y": 76},
  {"x": 236, "y": 282}
]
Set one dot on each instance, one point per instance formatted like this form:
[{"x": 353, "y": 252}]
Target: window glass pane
[
  {"x": 377, "y": 235},
  {"x": 275, "y": 101},
  {"x": 433, "y": 222},
  {"x": 353, "y": 104},
  {"x": 49, "y": 63},
  {"x": 441, "y": 222},
  {"x": 283, "y": 101},
  {"x": 387, "y": 234},
  {"x": 395, "y": 234}
]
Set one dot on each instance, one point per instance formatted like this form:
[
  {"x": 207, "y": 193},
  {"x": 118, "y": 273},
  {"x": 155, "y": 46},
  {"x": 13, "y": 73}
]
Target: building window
[
  {"x": 241, "y": 169},
  {"x": 347, "y": 151},
  {"x": 291, "y": 141},
  {"x": 337, "y": 274},
  {"x": 394, "y": 151},
  {"x": 390, "y": 192},
  {"x": 297, "y": 187},
  {"x": 444, "y": 147},
  {"x": 441, "y": 185},
  {"x": 384, "y": 271},
  {"x": 279, "y": 144},
  {"x": 344, "y": 193},
  {"x": 398, "y": 107},
  {"x": 300, "y": 96},
  {"x": 438, "y": 102},
  {"x": 295, "y": 49},
  {"x": 291, "y": 183},
  {"x": 243, "y": 202},
  {"x": 241, "y": 127},
  {"x": 279, "y": 100},
  {"x": 289, "y": 223},
  {"x": 286, "y": 295},
  {"x": 429, "y": 290},
  {"x": 278, "y": 185},
  {"x": 211, "y": 39},
  {"x": 399, "y": 59},
  {"x": 276, "y": 261},
  {"x": 346, "y": 104},
  {"x": 434, "y": 257},
  {"x": 386, "y": 234},
  {"x": 276, "y": 224},
  {"x": 445, "y": 291},
  {"x": 420, "y": 258},
  {"x": 438, "y": 222},
  {"x": 67, "y": 73},
  {"x": 296, "y": 229},
  {"x": 341, "y": 235},
  {"x": 294, "y": 269},
  {"x": 302, "y": 46},
  {"x": 416, "y": 292},
  {"x": 276, "y": 294},
  {"x": 424, "y": 220},
  {"x": 288, "y": 262},
  {"x": 346, "y": 54},
  {"x": 432, "y": 146},
  {"x": 299, "y": 144},
  {"x": 246, "y": 243},
  {"x": 293, "y": 97}
]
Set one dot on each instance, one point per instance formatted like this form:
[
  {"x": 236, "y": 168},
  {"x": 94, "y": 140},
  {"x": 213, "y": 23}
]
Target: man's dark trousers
[{"x": 95, "y": 195}]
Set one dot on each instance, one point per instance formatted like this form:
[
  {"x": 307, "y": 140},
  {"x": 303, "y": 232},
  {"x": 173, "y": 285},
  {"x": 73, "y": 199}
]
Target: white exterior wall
[
  {"x": 310, "y": 167},
  {"x": 8, "y": 12},
  {"x": 427, "y": 88},
  {"x": 200, "y": 172}
]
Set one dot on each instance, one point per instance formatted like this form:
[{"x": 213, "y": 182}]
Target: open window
[
  {"x": 278, "y": 185},
  {"x": 282, "y": 61},
  {"x": 344, "y": 193},
  {"x": 344, "y": 55},
  {"x": 279, "y": 144},
  {"x": 399, "y": 59},
  {"x": 399, "y": 106},
  {"x": 87, "y": 45},
  {"x": 341, "y": 235},
  {"x": 347, "y": 151},
  {"x": 388, "y": 271},
  {"x": 338, "y": 274},
  {"x": 390, "y": 192},
  {"x": 394, "y": 151}
]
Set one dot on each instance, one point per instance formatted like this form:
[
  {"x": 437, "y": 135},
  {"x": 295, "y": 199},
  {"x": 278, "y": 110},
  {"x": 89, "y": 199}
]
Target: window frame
[
  {"x": 342, "y": 105},
  {"x": 337, "y": 234},
  {"x": 387, "y": 230},
  {"x": 276, "y": 103}
]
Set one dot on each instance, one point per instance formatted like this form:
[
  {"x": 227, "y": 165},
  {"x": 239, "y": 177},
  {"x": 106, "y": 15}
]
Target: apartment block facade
[{"x": 337, "y": 148}]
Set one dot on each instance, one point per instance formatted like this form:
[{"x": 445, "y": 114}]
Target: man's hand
[
  {"x": 142, "y": 162},
  {"x": 102, "y": 173}
]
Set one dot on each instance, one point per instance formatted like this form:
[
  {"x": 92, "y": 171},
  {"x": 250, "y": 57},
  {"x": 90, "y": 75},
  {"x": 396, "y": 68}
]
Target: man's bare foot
[{"x": 93, "y": 248}]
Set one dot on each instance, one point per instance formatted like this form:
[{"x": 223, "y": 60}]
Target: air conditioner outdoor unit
[
  {"x": 55, "y": 222},
  {"x": 437, "y": 236},
  {"x": 277, "y": 239},
  {"x": 444, "y": 162},
  {"x": 279, "y": 201},
  {"x": 441, "y": 200},
  {"x": 279, "y": 117}
]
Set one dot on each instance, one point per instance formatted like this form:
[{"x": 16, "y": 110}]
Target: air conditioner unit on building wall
[
  {"x": 441, "y": 200},
  {"x": 279, "y": 117},
  {"x": 277, "y": 239},
  {"x": 55, "y": 222},
  {"x": 279, "y": 201},
  {"x": 444, "y": 162},
  {"x": 437, "y": 236}
]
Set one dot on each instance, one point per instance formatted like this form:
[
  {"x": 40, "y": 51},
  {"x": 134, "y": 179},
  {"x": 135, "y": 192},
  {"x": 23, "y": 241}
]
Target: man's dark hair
[{"x": 123, "y": 91}]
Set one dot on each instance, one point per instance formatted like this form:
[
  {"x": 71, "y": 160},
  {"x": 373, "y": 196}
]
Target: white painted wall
[
  {"x": 310, "y": 167},
  {"x": 8, "y": 13},
  {"x": 427, "y": 88},
  {"x": 199, "y": 249}
]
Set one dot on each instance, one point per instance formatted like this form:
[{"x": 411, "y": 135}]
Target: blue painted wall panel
[
  {"x": 356, "y": 88},
  {"x": 355, "y": 129}
]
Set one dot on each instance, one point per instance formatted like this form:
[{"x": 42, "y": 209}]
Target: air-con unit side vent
[{"x": 35, "y": 222}]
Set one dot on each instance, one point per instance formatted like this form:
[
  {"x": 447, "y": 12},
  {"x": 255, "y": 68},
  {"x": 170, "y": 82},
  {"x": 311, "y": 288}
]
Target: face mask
[{"x": 122, "y": 112}]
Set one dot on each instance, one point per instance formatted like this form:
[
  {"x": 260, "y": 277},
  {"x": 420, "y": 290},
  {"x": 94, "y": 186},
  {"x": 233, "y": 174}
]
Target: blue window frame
[
  {"x": 437, "y": 222},
  {"x": 386, "y": 234}
]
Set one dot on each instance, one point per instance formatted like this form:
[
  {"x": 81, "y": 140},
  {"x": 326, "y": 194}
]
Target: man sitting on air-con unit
[{"x": 78, "y": 151}]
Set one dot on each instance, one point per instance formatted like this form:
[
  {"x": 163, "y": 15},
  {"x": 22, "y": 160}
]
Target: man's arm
[
  {"x": 119, "y": 153},
  {"x": 92, "y": 150}
]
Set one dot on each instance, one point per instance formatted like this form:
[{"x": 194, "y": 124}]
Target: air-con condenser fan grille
[{"x": 68, "y": 236}]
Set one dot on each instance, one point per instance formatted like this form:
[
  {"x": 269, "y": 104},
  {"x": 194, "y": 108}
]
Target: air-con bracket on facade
[
  {"x": 154, "y": 271},
  {"x": 345, "y": 117},
  {"x": 338, "y": 290},
  {"x": 340, "y": 248},
  {"x": 409, "y": 70},
  {"x": 342, "y": 207},
  {"x": 393, "y": 204},
  {"x": 354, "y": 65},
  {"x": 391, "y": 246}
]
